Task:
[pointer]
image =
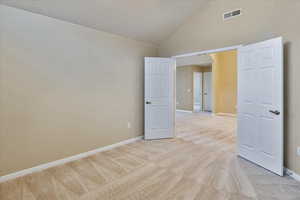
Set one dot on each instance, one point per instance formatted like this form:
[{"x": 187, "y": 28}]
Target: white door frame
[
  {"x": 194, "y": 90},
  {"x": 199, "y": 53},
  {"x": 205, "y": 94}
]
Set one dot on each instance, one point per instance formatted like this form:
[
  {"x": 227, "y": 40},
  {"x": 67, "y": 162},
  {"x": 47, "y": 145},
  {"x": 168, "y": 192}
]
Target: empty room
[
  {"x": 160, "y": 100},
  {"x": 206, "y": 101}
]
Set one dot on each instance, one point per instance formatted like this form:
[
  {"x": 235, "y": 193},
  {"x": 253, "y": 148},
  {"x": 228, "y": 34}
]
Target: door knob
[
  {"x": 275, "y": 112},
  {"x": 148, "y": 102}
]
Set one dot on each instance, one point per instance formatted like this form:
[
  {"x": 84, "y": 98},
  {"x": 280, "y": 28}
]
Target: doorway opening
[
  {"x": 258, "y": 92},
  {"x": 194, "y": 86},
  {"x": 202, "y": 90},
  {"x": 207, "y": 83}
]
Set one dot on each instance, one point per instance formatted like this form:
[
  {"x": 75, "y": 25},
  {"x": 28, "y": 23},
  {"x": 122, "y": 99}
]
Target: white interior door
[
  {"x": 207, "y": 90},
  {"x": 159, "y": 98},
  {"x": 260, "y": 104},
  {"x": 197, "y": 91}
]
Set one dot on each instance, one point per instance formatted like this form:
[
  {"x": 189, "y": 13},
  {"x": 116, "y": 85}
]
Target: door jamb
[{"x": 198, "y": 53}]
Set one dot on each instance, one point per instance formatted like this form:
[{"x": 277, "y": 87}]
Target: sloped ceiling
[{"x": 144, "y": 20}]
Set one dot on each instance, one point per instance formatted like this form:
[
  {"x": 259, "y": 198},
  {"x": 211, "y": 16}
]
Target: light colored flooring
[{"x": 200, "y": 164}]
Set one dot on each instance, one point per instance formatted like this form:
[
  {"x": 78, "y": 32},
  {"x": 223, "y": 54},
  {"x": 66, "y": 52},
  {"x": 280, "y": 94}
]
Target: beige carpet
[{"x": 200, "y": 164}]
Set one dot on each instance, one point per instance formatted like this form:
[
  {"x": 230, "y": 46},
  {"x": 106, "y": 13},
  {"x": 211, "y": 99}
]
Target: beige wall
[
  {"x": 260, "y": 20},
  {"x": 224, "y": 74},
  {"x": 65, "y": 89},
  {"x": 184, "y": 85},
  {"x": 202, "y": 60}
]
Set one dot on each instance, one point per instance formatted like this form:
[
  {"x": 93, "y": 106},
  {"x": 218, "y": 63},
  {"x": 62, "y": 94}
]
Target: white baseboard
[
  {"x": 186, "y": 111},
  {"x": 292, "y": 174},
  {"x": 226, "y": 114},
  {"x": 65, "y": 160}
]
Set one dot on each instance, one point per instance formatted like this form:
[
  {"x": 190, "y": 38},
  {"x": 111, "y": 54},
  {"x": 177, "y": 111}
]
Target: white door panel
[
  {"x": 198, "y": 98},
  {"x": 207, "y": 90},
  {"x": 159, "y": 98},
  {"x": 260, "y": 93}
]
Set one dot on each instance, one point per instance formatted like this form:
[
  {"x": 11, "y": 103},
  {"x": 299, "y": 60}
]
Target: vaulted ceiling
[{"x": 145, "y": 20}]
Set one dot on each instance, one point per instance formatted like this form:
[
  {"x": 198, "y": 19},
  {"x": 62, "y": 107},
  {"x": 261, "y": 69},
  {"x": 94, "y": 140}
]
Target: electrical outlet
[
  {"x": 298, "y": 151},
  {"x": 128, "y": 125}
]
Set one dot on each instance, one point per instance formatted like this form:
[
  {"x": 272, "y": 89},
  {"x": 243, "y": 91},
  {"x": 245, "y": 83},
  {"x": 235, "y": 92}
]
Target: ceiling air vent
[{"x": 231, "y": 14}]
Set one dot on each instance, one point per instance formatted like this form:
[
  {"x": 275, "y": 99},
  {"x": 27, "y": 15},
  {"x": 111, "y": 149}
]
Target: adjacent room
[
  {"x": 207, "y": 83},
  {"x": 194, "y": 84},
  {"x": 158, "y": 100},
  {"x": 206, "y": 100}
]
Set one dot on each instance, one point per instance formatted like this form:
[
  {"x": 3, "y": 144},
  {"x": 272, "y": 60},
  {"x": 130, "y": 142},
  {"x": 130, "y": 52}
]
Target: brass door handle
[{"x": 275, "y": 112}]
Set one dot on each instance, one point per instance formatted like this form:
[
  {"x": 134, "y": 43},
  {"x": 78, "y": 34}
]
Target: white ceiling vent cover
[{"x": 232, "y": 14}]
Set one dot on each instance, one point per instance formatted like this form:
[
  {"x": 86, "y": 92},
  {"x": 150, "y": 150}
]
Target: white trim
[
  {"x": 186, "y": 111},
  {"x": 174, "y": 96},
  {"x": 208, "y": 51},
  {"x": 201, "y": 93},
  {"x": 65, "y": 160},
  {"x": 226, "y": 114},
  {"x": 292, "y": 174}
]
